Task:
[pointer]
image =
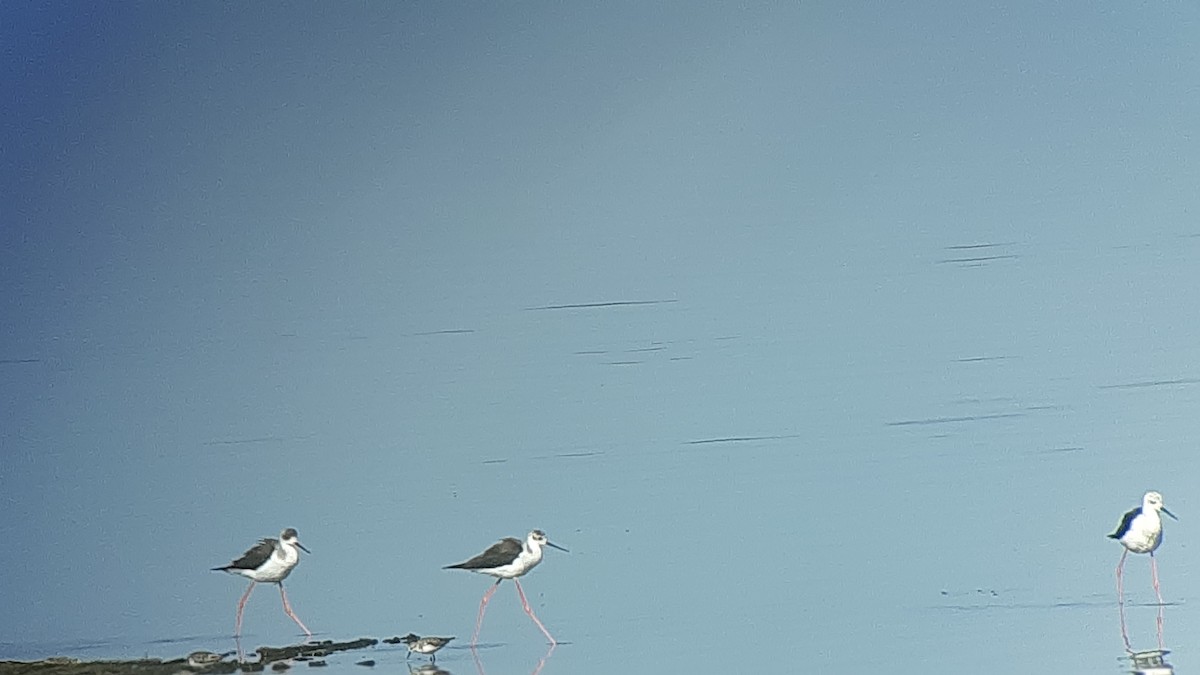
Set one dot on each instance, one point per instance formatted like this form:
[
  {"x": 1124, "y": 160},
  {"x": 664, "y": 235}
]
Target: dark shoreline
[{"x": 267, "y": 657}]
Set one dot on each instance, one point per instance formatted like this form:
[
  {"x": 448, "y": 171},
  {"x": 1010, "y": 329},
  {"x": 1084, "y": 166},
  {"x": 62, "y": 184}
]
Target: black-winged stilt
[
  {"x": 1140, "y": 531},
  {"x": 270, "y": 561},
  {"x": 509, "y": 558}
]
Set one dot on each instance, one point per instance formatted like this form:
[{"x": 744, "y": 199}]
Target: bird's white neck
[
  {"x": 532, "y": 551},
  {"x": 289, "y": 551}
]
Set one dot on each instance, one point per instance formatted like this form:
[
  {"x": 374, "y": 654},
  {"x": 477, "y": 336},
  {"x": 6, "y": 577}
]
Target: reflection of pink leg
[
  {"x": 1158, "y": 594},
  {"x": 482, "y": 608},
  {"x": 288, "y": 610},
  {"x": 529, "y": 611},
  {"x": 237, "y": 631},
  {"x": 478, "y": 663},
  {"x": 1121, "y": 601},
  {"x": 1159, "y": 624},
  {"x": 542, "y": 663}
]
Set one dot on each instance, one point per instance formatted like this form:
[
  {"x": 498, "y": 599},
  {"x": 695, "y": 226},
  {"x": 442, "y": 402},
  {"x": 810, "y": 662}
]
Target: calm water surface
[
  {"x": 825, "y": 337},
  {"x": 714, "y": 520}
]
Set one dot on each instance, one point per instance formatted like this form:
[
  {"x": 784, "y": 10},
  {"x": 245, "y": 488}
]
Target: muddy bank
[{"x": 271, "y": 659}]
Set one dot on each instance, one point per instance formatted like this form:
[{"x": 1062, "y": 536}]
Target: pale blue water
[{"x": 823, "y": 337}]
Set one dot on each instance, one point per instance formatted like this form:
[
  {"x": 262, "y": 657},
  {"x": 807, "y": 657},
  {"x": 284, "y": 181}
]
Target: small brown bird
[{"x": 424, "y": 645}]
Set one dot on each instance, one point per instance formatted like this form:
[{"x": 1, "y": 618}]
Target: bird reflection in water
[
  {"x": 537, "y": 669},
  {"x": 1150, "y": 662}
]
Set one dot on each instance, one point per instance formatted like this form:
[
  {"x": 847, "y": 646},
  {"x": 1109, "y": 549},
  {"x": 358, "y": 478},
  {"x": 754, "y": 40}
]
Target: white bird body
[
  {"x": 1141, "y": 529},
  {"x": 1145, "y": 534},
  {"x": 509, "y": 558},
  {"x": 270, "y": 561}
]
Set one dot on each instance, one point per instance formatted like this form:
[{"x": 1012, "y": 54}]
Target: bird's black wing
[
  {"x": 1126, "y": 523},
  {"x": 253, "y": 558},
  {"x": 501, "y": 553}
]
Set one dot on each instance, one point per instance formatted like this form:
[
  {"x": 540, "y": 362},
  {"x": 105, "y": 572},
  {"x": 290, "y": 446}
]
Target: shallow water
[{"x": 824, "y": 337}]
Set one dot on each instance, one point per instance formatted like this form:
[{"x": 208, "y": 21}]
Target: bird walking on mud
[
  {"x": 269, "y": 561},
  {"x": 509, "y": 558},
  {"x": 1140, "y": 531},
  {"x": 203, "y": 659}
]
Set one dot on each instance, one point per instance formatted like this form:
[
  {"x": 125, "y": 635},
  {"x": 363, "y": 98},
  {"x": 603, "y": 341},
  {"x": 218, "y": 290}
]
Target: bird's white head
[
  {"x": 538, "y": 538},
  {"x": 290, "y": 536},
  {"x": 1153, "y": 501}
]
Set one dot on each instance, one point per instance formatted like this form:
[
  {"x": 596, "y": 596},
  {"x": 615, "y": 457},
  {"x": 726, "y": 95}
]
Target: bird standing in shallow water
[
  {"x": 509, "y": 558},
  {"x": 424, "y": 645},
  {"x": 270, "y": 561},
  {"x": 1140, "y": 531}
]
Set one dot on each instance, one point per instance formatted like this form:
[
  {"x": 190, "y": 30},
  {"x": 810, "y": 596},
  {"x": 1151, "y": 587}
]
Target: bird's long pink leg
[
  {"x": 1154, "y": 576},
  {"x": 1120, "y": 566},
  {"x": 288, "y": 610},
  {"x": 1121, "y": 601},
  {"x": 1158, "y": 593},
  {"x": 237, "y": 631},
  {"x": 482, "y": 608},
  {"x": 529, "y": 611}
]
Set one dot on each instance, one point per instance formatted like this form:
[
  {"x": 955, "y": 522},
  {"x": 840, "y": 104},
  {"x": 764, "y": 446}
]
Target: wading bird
[
  {"x": 424, "y": 645},
  {"x": 509, "y": 558},
  {"x": 1140, "y": 531},
  {"x": 270, "y": 561}
]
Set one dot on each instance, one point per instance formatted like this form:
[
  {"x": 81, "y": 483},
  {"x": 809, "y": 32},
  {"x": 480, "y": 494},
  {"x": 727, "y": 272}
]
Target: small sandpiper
[
  {"x": 201, "y": 660},
  {"x": 424, "y": 645}
]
